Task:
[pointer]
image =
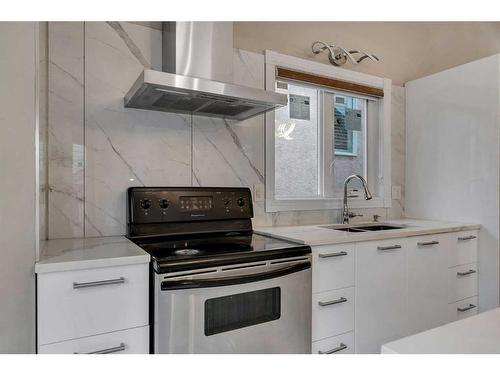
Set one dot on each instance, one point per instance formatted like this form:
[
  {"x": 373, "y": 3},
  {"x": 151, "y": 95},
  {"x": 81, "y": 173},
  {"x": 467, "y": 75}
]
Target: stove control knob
[
  {"x": 240, "y": 202},
  {"x": 146, "y": 203},
  {"x": 164, "y": 203},
  {"x": 227, "y": 202}
]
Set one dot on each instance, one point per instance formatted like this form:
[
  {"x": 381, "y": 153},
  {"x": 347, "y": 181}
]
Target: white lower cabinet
[
  {"x": 128, "y": 341},
  {"x": 381, "y": 293},
  {"x": 463, "y": 248},
  {"x": 427, "y": 290},
  {"x": 332, "y": 312},
  {"x": 332, "y": 267},
  {"x": 462, "y": 282},
  {"x": 92, "y": 310},
  {"x": 462, "y": 309},
  {"x": 341, "y": 344},
  {"x": 368, "y": 293}
]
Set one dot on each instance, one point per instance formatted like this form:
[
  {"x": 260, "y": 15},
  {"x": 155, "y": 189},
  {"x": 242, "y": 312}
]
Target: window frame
[{"x": 329, "y": 200}]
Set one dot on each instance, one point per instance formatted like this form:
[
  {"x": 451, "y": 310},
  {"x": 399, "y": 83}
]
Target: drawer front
[
  {"x": 332, "y": 313},
  {"x": 333, "y": 267},
  {"x": 341, "y": 344},
  {"x": 462, "y": 309},
  {"x": 129, "y": 341},
  {"x": 80, "y": 303},
  {"x": 463, "y": 248},
  {"x": 462, "y": 282}
]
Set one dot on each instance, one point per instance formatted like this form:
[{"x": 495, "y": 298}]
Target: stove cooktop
[
  {"x": 186, "y": 228},
  {"x": 183, "y": 253}
]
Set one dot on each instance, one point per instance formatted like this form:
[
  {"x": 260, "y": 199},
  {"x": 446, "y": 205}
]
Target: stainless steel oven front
[{"x": 259, "y": 307}]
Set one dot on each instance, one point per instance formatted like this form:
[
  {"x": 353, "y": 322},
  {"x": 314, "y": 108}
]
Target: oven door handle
[{"x": 234, "y": 280}]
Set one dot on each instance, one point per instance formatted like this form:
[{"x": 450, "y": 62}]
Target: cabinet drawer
[
  {"x": 462, "y": 309},
  {"x": 462, "y": 282},
  {"x": 332, "y": 313},
  {"x": 333, "y": 267},
  {"x": 463, "y": 248},
  {"x": 341, "y": 344},
  {"x": 73, "y": 304},
  {"x": 129, "y": 341}
]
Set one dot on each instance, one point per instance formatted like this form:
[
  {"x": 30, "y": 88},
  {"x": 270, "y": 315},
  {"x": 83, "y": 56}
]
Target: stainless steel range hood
[{"x": 197, "y": 75}]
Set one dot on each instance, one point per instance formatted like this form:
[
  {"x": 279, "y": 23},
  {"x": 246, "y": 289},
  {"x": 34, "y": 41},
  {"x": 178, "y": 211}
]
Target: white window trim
[{"x": 273, "y": 60}]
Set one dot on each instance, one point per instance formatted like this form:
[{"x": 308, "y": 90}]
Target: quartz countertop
[
  {"x": 83, "y": 253},
  {"x": 474, "y": 335},
  {"x": 318, "y": 235}
]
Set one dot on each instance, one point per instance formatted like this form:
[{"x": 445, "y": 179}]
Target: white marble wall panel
[
  {"x": 125, "y": 147},
  {"x": 129, "y": 147},
  {"x": 397, "y": 149},
  {"x": 42, "y": 127},
  {"x": 232, "y": 153},
  {"x": 65, "y": 132}
]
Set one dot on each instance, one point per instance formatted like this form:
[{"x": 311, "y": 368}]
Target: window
[
  {"x": 349, "y": 157},
  {"x": 321, "y": 137},
  {"x": 346, "y": 134},
  {"x": 297, "y": 143}
]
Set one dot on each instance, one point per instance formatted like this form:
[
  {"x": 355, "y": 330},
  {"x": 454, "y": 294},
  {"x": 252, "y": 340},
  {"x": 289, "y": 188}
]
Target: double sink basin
[{"x": 360, "y": 228}]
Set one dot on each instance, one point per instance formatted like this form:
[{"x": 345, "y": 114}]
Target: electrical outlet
[
  {"x": 396, "y": 192},
  {"x": 258, "y": 193}
]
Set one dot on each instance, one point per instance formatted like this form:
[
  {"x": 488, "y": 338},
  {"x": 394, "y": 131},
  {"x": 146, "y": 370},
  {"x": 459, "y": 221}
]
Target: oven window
[{"x": 242, "y": 310}]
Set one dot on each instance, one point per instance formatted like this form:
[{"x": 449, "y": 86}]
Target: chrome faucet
[{"x": 346, "y": 215}]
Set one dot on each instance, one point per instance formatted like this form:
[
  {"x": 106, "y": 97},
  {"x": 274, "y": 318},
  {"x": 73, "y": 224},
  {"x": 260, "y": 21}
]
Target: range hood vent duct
[{"x": 197, "y": 74}]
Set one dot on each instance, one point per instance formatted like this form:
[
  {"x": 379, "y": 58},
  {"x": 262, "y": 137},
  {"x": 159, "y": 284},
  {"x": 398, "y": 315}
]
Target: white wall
[
  {"x": 18, "y": 43},
  {"x": 452, "y": 169}
]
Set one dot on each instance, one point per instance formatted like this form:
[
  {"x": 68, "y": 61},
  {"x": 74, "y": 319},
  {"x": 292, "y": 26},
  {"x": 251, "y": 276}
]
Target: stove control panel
[{"x": 165, "y": 205}]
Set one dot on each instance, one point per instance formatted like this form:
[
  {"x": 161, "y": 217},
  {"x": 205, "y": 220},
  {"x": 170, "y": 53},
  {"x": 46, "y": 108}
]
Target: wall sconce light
[{"x": 339, "y": 55}]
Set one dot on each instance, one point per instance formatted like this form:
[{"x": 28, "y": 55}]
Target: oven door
[{"x": 248, "y": 308}]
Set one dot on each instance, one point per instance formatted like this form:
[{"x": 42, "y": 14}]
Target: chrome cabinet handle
[
  {"x": 393, "y": 247},
  {"x": 334, "y": 302},
  {"x": 331, "y": 255},
  {"x": 89, "y": 284},
  {"x": 462, "y": 309},
  {"x": 342, "y": 346},
  {"x": 467, "y": 238},
  {"x": 428, "y": 243},
  {"x": 114, "y": 349},
  {"x": 469, "y": 272}
]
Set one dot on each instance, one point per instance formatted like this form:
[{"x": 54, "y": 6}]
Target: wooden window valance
[{"x": 329, "y": 82}]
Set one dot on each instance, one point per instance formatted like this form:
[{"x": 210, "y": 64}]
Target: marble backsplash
[{"x": 96, "y": 148}]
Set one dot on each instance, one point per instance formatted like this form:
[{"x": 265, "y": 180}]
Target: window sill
[
  {"x": 345, "y": 153},
  {"x": 323, "y": 204}
]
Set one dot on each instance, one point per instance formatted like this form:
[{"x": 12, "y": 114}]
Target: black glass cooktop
[{"x": 182, "y": 253}]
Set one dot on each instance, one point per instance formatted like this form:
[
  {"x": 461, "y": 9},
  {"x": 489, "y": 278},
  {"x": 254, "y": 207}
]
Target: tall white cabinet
[{"x": 452, "y": 158}]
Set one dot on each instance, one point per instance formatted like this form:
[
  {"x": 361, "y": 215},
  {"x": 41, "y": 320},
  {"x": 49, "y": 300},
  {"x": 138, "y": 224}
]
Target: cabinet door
[
  {"x": 427, "y": 281},
  {"x": 381, "y": 293}
]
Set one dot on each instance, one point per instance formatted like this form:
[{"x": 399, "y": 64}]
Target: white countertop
[
  {"x": 317, "y": 235},
  {"x": 82, "y": 253},
  {"x": 475, "y": 335}
]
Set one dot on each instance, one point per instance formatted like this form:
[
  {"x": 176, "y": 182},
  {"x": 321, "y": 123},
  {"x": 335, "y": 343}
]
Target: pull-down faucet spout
[{"x": 346, "y": 215}]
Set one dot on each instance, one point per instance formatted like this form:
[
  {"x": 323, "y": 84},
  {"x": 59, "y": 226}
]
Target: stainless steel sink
[{"x": 367, "y": 227}]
